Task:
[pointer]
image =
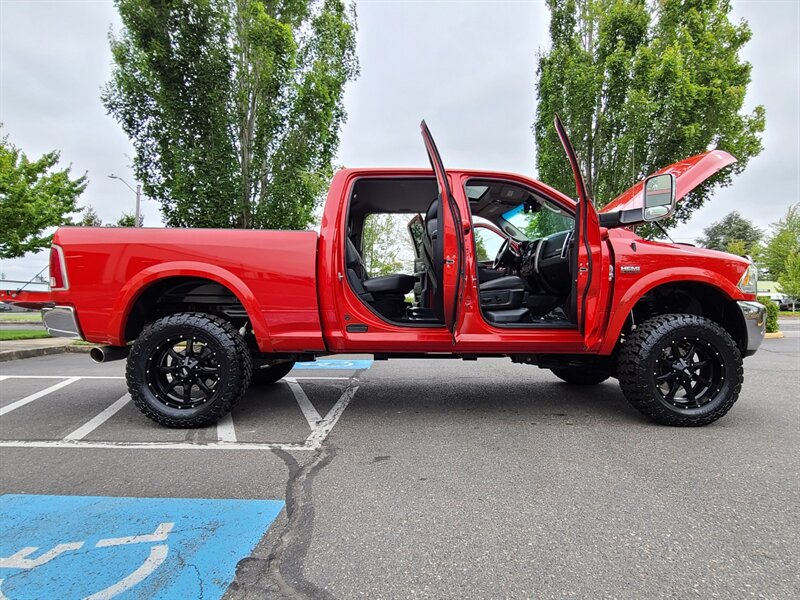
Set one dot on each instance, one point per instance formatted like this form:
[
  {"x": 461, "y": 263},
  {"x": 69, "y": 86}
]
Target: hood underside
[{"x": 689, "y": 173}]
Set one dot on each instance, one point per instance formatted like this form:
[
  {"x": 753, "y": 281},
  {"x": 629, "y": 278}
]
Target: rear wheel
[
  {"x": 681, "y": 370},
  {"x": 581, "y": 375},
  {"x": 270, "y": 374},
  {"x": 188, "y": 370}
]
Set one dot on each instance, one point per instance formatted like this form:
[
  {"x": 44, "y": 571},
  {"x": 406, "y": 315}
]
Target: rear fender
[
  {"x": 624, "y": 306},
  {"x": 131, "y": 291}
]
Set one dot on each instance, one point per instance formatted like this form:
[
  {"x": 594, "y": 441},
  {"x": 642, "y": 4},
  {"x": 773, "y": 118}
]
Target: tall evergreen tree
[
  {"x": 234, "y": 107},
  {"x": 640, "y": 85}
]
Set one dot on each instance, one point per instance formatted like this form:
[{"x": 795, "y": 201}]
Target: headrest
[
  {"x": 433, "y": 210},
  {"x": 352, "y": 256}
]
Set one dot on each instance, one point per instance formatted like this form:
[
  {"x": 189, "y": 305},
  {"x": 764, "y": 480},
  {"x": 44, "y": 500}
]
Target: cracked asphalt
[{"x": 446, "y": 479}]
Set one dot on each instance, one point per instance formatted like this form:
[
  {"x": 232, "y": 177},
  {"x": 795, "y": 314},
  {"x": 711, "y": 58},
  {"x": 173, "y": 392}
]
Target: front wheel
[
  {"x": 681, "y": 370},
  {"x": 188, "y": 370}
]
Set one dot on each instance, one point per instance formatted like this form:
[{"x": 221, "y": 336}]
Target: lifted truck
[{"x": 200, "y": 314}]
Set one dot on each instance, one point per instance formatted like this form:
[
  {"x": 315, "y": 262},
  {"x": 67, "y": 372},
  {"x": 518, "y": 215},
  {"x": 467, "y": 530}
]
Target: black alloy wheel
[
  {"x": 188, "y": 369},
  {"x": 183, "y": 372},
  {"x": 689, "y": 373},
  {"x": 682, "y": 370}
]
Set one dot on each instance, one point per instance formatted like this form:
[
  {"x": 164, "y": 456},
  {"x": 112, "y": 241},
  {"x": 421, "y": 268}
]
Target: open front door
[
  {"x": 450, "y": 275},
  {"x": 586, "y": 270}
]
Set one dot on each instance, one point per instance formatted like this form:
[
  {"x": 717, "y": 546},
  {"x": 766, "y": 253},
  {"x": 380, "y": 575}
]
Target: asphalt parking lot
[{"x": 399, "y": 479}]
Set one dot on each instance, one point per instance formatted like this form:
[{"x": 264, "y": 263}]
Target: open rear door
[
  {"x": 586, "y": 277},
  {"x": 452, "y": 236}
]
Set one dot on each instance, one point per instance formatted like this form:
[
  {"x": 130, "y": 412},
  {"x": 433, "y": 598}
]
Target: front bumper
[
  {"x": 755, "y": 321},
  {"x": 61, "y": 321}
]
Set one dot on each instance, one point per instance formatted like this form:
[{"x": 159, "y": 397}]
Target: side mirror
[{"x": 659, "y": 197}]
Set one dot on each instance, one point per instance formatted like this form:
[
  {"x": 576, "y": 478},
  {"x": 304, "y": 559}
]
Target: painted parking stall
[
  {"x": 104, "y": 547},
  {"x": 79, "y": 411}
]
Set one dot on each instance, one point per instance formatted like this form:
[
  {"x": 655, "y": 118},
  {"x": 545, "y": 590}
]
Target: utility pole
[
  {"x": 138, "y": 192},
  {"x": 138, "y": 205}
]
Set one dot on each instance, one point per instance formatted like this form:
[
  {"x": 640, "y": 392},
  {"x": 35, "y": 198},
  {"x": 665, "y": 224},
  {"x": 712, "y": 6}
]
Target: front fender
[
  {"x": 624, "y": 306},
  {"x": 132, "y": 289}
]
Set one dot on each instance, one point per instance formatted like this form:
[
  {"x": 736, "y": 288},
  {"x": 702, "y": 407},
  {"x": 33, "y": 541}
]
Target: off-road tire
[
  {"x": 581, "y": 375},
  {"x": 268, "y": 375},
  {"x": 637, "y": 364},
  {"x": 231, "y": 353}
]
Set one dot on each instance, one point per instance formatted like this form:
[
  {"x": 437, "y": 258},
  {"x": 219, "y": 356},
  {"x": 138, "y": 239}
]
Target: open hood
[{"x": 689, "y": 173}]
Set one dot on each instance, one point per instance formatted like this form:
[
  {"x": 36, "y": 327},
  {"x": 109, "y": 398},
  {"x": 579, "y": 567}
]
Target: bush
[{"x": 772, "y": 313}]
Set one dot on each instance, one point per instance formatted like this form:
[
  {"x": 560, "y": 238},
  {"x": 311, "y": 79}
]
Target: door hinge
[{"x": 341, "y": 277}]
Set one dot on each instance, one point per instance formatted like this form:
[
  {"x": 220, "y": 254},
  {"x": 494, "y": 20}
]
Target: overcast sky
[{"x": 468, "y": 68}]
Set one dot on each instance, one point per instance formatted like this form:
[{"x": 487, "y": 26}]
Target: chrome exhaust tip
[{"x": 101, "y": 354}]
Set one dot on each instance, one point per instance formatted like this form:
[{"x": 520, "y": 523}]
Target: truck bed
[{"x": 272, "y": 273}]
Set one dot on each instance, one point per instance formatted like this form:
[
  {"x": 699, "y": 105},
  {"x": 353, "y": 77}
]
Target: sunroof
[{"x": 474, "y": 192}]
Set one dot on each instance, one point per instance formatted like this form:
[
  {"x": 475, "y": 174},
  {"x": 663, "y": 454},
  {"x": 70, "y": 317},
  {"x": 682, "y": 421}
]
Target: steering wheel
[{"x": 503, "y": 253}]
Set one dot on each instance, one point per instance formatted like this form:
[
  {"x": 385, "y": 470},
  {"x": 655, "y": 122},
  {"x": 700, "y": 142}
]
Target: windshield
[{"x": 546, "y": 221}]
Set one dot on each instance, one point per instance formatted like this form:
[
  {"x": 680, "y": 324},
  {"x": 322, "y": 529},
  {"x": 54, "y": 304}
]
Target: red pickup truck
[{"x": 201, "y": 313}]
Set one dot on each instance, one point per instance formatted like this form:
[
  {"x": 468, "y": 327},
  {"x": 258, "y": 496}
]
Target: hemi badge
[{"x": 629, "y": 268}]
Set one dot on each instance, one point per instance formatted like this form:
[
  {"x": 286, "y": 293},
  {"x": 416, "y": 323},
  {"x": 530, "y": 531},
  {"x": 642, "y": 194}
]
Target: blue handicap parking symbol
[
  {"x": 350, "y": 365},
  {"x": 100, "y": 547}
]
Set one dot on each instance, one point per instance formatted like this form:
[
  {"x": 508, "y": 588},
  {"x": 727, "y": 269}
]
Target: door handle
[{"x": 449, "y": 261}]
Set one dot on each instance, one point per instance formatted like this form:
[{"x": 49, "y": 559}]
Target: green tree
[
  {"x": 642, "y": 85},
  {"x": 34, "y": 196},
  {"x": 385, "y": 245},
  {"x": 234, "y": 107},
  {"x": 90, "y": 218},
  {"x": 733, "y": 233},
  {"x": 790, "y": 278},
  {"x": 784, "y": 241},
  {"x": 127, "y": 220}
]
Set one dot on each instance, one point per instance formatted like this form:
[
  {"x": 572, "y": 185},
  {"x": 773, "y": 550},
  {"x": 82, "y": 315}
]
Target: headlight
[{"x": 749, "y": 281}]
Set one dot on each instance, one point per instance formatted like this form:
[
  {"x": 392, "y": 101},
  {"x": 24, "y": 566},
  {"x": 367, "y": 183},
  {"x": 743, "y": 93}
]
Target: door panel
[
  {"x": 587, "y": 244},
  {"x": 451, "y": 234}
]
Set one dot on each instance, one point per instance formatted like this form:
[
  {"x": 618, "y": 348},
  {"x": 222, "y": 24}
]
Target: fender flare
[
  {"x": 135, "y": 286},
  {"x": 624, "y": 306}
]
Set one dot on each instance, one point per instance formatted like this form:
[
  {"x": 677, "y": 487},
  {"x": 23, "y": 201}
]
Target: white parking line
[
  {"x": 324, "y": 428},
  {"x": 225, "y": 429},
  {"x": 309, "y": 412},
  {"x": 226, "y": 433},
  {"x": 2, "y": 377},
  {"x": 15, "y": 405},
  {"x": 88, "y": 427},
  {"x": 154, "y": 445},
  {"x": 62, "y": 377}
]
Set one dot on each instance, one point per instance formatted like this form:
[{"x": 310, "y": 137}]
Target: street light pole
[
  {"x": 138, "y": 221},
  {"x": 138, "y": 192}
]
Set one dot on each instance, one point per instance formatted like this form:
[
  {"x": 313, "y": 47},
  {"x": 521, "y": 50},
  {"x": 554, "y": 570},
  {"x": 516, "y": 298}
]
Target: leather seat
[
  {"x": 509, "y": 282},
  {"x": 398, "y": 285}
]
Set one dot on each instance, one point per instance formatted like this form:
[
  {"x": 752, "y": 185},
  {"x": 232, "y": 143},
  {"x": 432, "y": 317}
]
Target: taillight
[{"x": 58, "y": 271}]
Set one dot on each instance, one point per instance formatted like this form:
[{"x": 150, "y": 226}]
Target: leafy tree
[
  {"x": 733, "y": 233},
  {"x": 642, "y": 85},
  {"x": 790, "y": 278},
  {"x": 385, "y": 244},
  {"x": 234, "y": 106},
  {"x": 783, "y": 242},
  {"x": 33, "y": 197},
  {"x": 480, "y": 248},
  {"x": 90, "y": 218},
  {"x": 128, "y": 220}
]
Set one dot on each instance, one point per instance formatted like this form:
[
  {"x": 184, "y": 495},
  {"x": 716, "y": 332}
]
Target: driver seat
[{"x": 502, "y": 298}]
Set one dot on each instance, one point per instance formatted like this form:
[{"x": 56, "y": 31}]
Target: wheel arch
[
  {"x": 692, "y": 294},
  {"x": 182, "y": 281}
]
